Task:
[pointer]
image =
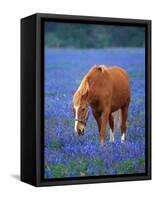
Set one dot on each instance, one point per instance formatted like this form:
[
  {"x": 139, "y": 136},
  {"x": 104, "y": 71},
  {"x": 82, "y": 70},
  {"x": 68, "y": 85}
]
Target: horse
[{"x": 106, "y": 90}]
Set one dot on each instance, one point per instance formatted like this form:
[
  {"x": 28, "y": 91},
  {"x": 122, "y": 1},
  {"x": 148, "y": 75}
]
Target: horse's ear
[{"x": 102, "y": 68}]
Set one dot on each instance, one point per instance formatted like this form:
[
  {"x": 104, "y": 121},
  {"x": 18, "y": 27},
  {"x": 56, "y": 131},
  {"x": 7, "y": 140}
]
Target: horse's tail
[{"x": 117, "y": 118}]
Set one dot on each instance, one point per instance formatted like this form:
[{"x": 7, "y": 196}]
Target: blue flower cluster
[{"x": 67, "y": 155}]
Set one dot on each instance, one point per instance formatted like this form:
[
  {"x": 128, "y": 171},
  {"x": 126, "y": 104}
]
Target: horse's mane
[
  {"x": 82, "y": 90},
  {"x": 84, "y": 86}
]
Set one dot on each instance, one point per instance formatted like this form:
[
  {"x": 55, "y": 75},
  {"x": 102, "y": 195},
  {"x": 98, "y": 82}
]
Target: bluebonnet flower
[{"x": 68, "y": 155}]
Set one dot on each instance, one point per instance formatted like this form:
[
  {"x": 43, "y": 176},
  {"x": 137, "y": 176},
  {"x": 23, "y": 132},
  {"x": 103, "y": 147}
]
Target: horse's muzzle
[{"x": 81, "y": 132}]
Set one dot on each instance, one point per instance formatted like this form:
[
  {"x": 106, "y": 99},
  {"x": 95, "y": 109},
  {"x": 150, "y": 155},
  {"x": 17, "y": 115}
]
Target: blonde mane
[
  {"x": 82, "y": 89},
  {"x": 84, "y": 86}
]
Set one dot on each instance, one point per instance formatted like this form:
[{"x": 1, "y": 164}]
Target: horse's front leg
[
  {"x": 104, "y": 121},
  {"x": 97, "y": 117}
]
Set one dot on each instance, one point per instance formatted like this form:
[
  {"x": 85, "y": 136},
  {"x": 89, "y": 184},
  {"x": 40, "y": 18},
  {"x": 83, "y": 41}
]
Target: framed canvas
[{"x": 85, "y": 99}]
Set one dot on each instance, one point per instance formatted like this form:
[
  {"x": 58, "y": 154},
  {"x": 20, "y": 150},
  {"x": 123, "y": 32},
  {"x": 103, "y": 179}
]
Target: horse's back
[
  {"x": 117, "y": 71},
  {"x": 119, "y": 75}
]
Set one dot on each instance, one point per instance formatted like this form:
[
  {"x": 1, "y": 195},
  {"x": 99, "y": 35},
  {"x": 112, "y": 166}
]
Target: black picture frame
[{"x": 32, "y": 99}]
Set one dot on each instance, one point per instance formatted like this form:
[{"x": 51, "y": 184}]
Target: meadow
[{"x": 67, "y": 155}]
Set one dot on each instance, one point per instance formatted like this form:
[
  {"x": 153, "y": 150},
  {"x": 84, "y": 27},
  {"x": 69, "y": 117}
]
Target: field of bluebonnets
[{"x": 67, "y": 155}]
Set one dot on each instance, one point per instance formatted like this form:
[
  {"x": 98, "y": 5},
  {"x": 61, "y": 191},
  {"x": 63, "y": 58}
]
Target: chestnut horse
[{"x": 107, "y": 91}]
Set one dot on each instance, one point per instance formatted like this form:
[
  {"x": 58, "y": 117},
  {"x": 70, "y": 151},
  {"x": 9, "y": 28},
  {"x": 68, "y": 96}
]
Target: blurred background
[{"x": 71, "y": 35}]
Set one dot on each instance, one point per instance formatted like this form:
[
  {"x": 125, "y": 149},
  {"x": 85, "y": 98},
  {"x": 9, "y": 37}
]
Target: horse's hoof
[
  {"x": 122, "y": 141},
  {"x": 102, "y": 143},
  {"x": 111, "y": 141},
  {"x": 123, "y": 138}
]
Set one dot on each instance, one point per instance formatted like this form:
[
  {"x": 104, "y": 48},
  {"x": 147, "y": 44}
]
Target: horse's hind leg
[
  {"x": 111, "y": 124},
  {"x": 124, "y": 115}
]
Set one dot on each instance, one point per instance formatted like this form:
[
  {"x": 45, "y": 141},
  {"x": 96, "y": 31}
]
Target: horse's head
[
  {"x": 80, "y": 108},
  {"x": 82, "y": 96},
  {"x": 81, "y": 114}
]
